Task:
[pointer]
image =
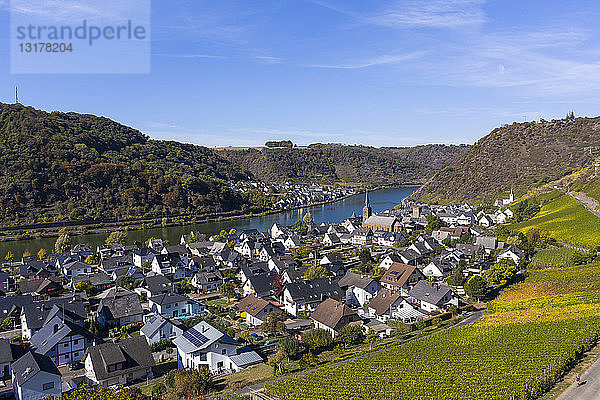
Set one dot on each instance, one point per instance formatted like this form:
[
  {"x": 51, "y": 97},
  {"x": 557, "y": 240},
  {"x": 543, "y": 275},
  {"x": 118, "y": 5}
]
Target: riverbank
[{"x": 139, "y": 231}]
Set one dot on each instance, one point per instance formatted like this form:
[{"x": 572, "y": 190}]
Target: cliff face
[{"x": 521, "y": 155}]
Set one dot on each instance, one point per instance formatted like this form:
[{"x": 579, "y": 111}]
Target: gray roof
[
  {"x": 168, "y": 298},
  {"x": 46, "y": 338},
  {"x": 30, "y": 364},
  {"x": 314, "y": 290},
  {"x": 158, "y": 283},
  {"x": 120, "y": 307},
  {"x": 153, "y": 324},
  {"x": 246, "y": 358},
  {"x": 134, "y": 352},
  {"x": 356, "y": 280},
  {"x": 428, "y": 292},
  {"x": 97, "y": 279},
  {"x": 76, "y": 265},
  {"x": 36, "y": 313}
]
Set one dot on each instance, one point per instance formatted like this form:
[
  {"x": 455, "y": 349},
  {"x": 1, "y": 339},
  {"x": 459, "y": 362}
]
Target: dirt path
[{"x": 591, "y": 204}]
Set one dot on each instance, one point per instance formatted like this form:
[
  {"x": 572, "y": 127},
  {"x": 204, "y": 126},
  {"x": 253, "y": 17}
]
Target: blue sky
[{"x": 347, "y": 71}]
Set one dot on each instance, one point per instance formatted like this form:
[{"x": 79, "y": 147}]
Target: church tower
[{"x": 367, "y": 208}]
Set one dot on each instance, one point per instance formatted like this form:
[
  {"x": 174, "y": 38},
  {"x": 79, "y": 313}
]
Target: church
[{"x": 378, "y": 222}]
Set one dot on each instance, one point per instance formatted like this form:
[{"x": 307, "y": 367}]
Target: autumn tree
[
  {"x": 63, "y": 243},
  {"x": 314, "y": 272},
  {"x": 227, "y": 289},
  {"x": 476, "y": 287},
  {"x": 42, "y": 254},
  {"x": 116, "y": 237},
  {"x": 317, "y": 339},
  {"x": 273, "y": 322}
]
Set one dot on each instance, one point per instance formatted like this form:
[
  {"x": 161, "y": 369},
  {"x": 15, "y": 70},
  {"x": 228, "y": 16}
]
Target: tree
[
  {"x": 433, "y": 223},
  {"x": 26, "y": 253},
  {"x": 9, "y": 256},
  {"x": 289, "y": 346},
  {"x": 314, "y": 272},
  {"x": 317, "y": 339},
  {"x": 351, "y": 335},
  {"x": 364, "y": 255},
  {"x": 476, "y": 287},
  {"x": 308, "y": 219},
  {"x": 8, "y": 324},
  {"x": 191, "y": 384},
  {"x": 501, "y": 273},
  {"x": 273, "y": 322},
  {"x": 124, "y": 281},
  {"x": 91, "y": 260},
  {"x": 63, "y": 243},
  {"x": 116, "y": 237},
  {"x": 42, "y": 254},
  {"x": 227, "y": 289},
  {"x": 420, "y": 324}
]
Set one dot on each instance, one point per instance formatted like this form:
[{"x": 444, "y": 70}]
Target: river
[{"x": 382, "y": 199}]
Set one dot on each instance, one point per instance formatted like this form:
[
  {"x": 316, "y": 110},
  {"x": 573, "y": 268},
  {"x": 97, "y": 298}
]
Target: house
[
  {"x": 388, "y": 260},
  {"x": 205, "y": 346},
  {"x": 159, "y": 328},
  {"x": 35, "y": 315},
  {"x": 207, "y": 281},
  {"x": 116, "y": 364},
  {"x": 305, "y": 296},
  {"x": 205, "y": 263},
  {"x": 50, "y": 286},
  {"x": 62, "y": 340},
  {"x": 12, "y": 306},
  {"x": 379, "y": 328},
  {"x": 109, "y": 264},
  {"x": 154, "y": 285},
  {"x": 120, "y": 309},
  {"x": 331, "y": 239},
  {"x": 359, "y": 288},
  {"x": 410, "y": 256},
  {"x": 100, "y": 280},
  {"x": 252, "y": 269},
  {"x": 254, "y": 309},
  {"x": 170, "y": 265},
  {"x": 35, "y": 270},
  {"x": 143, "y": 256},
  {"x": 35, "y": 377},
  {"x": 438, "y": 268},
  {"x": 173, "y": 305},
  {"x": 387, "y": 304},
  {"x": 75, "y": 268},
  {"x": 334, "y": 263},
  {"x": 400, "y": 277},
  {"x": 433, "y": 297},
  {"x": 332, "y": 315},
  {"x": 489, "y": 243},
  {"x": 512, "y": 253},
  {"x": 8, "y": 354},
  {"x": 362, "y": 236},
  {"x": 389, "y": 239},
  {"x": 82, "y": 251},
  {"x": 260, "y": 285}
]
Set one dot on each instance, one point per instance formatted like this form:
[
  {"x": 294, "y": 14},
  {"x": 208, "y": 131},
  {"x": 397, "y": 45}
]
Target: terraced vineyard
[
  {"x": 522, "y": 345},
  {"x": 563, "y": 218}
]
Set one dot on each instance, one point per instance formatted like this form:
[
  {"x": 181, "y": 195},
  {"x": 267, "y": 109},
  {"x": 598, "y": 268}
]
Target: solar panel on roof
[{"x": 195, "y": 337}]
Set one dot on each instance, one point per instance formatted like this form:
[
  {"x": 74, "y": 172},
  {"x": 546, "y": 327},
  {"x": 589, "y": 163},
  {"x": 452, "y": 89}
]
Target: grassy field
[
  {"x": 563, "y": 218},
  {"x": 552, "y": 257},
  {"x": 529, "y": 338}
]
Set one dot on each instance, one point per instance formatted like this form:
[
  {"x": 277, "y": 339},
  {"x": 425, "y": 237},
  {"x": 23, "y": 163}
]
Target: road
[
  {"x": 589, "y": 388},
  {"x": 259, "y": 386}
]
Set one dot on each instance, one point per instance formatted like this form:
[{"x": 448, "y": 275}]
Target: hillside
[
  {"x": 521, "y": 155},
  {"x": 67, "y": 166},
  {"x": 334, "y": 163}
]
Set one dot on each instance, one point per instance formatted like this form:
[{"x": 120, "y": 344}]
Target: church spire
[
  {"x": 367, "y": 199},
  {"x": 367, "y": 208}
]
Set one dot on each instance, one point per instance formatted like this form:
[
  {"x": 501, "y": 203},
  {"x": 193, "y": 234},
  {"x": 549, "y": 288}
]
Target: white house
[
  {"x": 205, "y": 346},
  {"x": 34, "y": 377},
  {"x": 332, "y": 315},
  {"x": 173, "y": 305},
  {"x": 170, "y": 265},
  {"x": 159, "y": 328},
  {"x": 359, "y": 288},
  {"x": 512, "y": 253},
  {"x": 75, "y": 268},
  {"x": 433, "y": 297},
  {"x": 305, "y": 296},
  {"x": 331, "y": 239},
  {"x": 62, "y": 340},
  {"x": 391, "y": 305}
]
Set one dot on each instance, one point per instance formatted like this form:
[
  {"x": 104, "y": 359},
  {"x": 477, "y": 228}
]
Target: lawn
[{"x": 563, "y": 218}]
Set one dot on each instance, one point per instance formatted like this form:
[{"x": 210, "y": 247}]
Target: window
[
  {"x": 75, "y": 341},
  {"x": 75, "y": 354},
  {"x": 48, "y": 386},
  {"x": 224, "y": 351}
]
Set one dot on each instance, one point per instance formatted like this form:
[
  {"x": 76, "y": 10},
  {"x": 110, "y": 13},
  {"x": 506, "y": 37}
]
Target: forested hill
[
  {"x": 66, "y": 166},
  {"x": 333, "y": 163},
  {"x": 521, "y": 155}
]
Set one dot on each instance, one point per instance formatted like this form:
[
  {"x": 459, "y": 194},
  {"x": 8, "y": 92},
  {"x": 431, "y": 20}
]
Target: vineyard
[
  {"x": 563, "y": 218},
  {"x": 552, "y": 257},
  {"x": 524, "y": 343}
]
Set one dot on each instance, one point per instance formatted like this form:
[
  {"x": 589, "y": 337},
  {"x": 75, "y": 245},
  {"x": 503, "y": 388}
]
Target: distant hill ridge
[{"x": 519, "y": 156}]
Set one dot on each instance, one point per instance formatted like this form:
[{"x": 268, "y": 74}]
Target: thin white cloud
[
  {"x": 379, "y": 60},
  {"x": 432, "y": 13},
  {"x": 269, "y": 59}
]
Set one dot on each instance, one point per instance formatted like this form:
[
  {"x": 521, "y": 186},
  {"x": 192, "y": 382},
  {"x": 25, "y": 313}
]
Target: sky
[{"x": 372, "y": 72}]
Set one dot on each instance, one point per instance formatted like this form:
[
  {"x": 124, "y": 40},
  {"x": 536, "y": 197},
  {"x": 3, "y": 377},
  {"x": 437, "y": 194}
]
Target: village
[{"x": 117, "y": 315}]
